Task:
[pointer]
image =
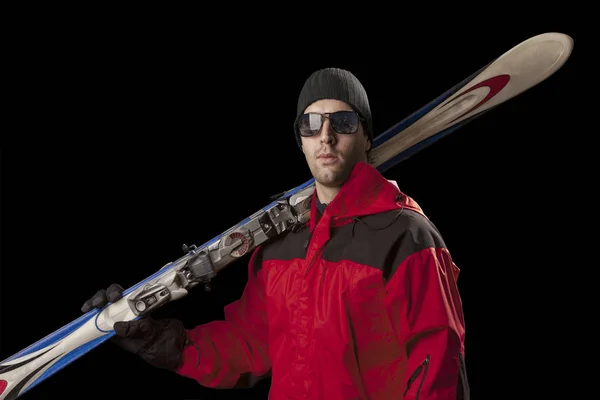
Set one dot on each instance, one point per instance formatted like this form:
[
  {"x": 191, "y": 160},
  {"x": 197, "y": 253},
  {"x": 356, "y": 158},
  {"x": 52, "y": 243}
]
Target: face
[{"x": 330, "y": 155}]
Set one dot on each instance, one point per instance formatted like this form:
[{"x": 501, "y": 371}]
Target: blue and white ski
[{"x": 517, "y": 70}]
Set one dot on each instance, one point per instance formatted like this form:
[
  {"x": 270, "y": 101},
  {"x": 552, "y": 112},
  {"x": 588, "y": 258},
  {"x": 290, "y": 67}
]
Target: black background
[{"x": 132, "y": 144}]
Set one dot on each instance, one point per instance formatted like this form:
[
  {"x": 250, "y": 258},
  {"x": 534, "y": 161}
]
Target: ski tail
[{"x": 36, "y": 363}]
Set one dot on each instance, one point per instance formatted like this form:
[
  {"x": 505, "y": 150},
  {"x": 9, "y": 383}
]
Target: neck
[{"x": 326, "y": 194}]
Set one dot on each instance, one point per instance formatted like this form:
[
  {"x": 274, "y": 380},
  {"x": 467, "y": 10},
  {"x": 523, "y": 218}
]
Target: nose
[{"x": 327, "y": 133}]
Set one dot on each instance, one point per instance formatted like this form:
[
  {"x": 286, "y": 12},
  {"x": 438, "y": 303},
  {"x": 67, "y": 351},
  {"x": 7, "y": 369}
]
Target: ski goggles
[{"x": 343, "y": 122}]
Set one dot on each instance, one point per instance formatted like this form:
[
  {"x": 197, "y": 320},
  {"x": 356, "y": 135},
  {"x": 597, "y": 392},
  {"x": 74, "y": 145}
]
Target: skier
[{"x": 361, "y": 302}]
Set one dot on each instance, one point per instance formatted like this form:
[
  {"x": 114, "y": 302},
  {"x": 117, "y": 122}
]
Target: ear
[{"x": 367, "y": 145}]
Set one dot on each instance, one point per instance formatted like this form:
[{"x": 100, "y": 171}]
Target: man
[{"x": 361, "y": 303}]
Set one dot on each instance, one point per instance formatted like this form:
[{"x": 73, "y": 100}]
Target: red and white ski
[{"x": 515, "y": 71}]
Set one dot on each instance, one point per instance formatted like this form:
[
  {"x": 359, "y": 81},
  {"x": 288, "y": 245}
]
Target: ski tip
[
  {"x": 535, "y": 59},
  {"x": 561, "y": 37},
  {"x": 555, "y": 45}
]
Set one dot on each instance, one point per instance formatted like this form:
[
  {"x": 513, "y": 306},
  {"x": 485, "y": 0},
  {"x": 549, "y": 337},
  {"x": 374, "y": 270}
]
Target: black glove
[{"x": 159, "y": 343}]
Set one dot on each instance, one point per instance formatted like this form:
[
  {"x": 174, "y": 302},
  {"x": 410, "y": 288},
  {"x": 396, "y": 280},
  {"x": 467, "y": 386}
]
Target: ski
[{"x": 515, "y": 71}]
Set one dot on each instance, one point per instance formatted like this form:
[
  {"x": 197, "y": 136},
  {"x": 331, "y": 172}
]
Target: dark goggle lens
[{"x": 343, "y": 122}]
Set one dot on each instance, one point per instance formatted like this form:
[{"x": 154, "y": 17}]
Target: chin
[{"x": 328, "y": 177}]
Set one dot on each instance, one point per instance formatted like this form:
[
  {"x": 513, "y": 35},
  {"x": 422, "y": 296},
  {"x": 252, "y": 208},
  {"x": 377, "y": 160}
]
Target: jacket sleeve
[
  {"x": 424, "y": 297},
  {"x": 232, "y": 352}
]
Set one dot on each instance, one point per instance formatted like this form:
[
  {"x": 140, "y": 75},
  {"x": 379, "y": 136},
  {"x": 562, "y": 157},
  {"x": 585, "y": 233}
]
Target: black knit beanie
[{"x": 337, "y": 84}]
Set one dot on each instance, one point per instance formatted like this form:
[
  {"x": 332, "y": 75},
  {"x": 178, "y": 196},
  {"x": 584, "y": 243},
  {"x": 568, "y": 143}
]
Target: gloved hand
[{"x": 158, "y": 342}]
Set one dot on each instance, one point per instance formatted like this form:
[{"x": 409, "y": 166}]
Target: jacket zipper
[
  {"x": 317, "y": 255},
  {"x": 322, "y": 280},
  {"x": 319, "y": 251},
  {"x": 415, "y": 375}
]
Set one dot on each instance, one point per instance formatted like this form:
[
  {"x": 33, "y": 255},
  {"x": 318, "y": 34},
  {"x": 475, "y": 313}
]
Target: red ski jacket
[{"x": 360, "y": 304}]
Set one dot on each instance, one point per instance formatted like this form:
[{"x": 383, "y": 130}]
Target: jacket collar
[{"x": 365, "y": 192}]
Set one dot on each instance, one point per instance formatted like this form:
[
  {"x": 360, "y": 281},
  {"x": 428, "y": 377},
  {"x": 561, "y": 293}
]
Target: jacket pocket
[{"x": 418, "y": 374}]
